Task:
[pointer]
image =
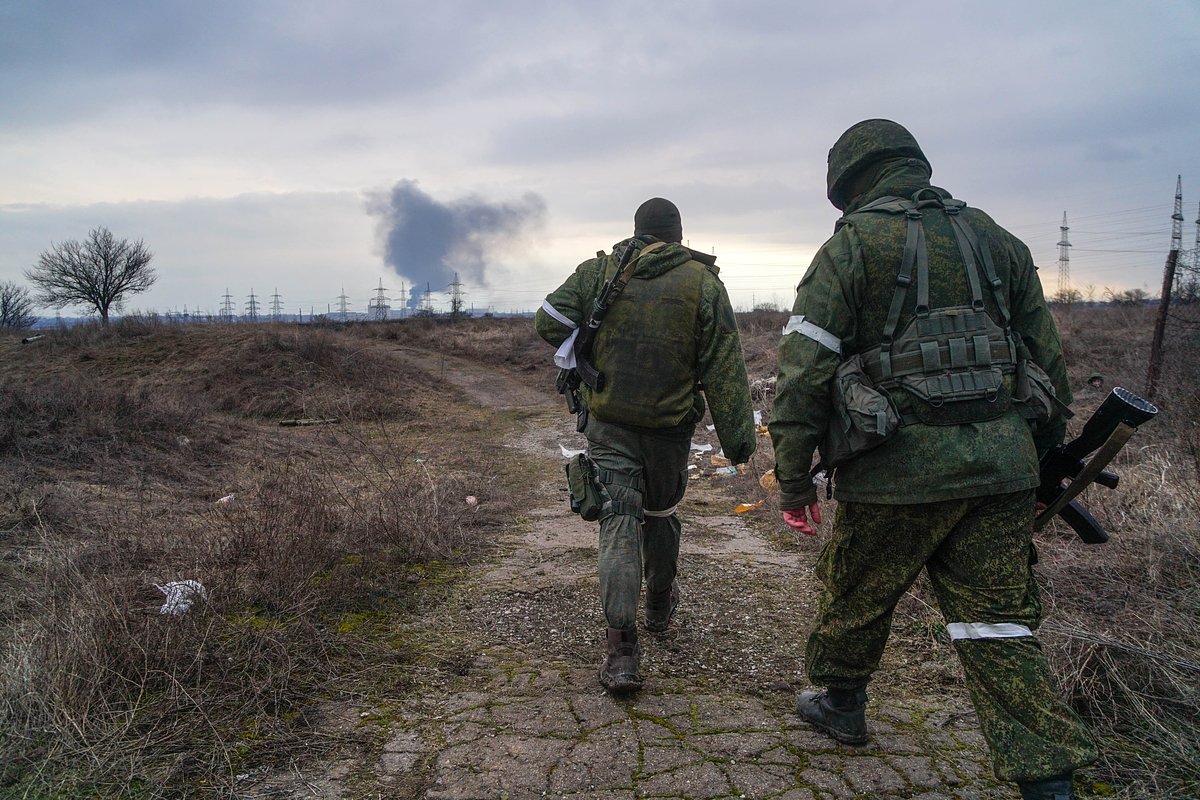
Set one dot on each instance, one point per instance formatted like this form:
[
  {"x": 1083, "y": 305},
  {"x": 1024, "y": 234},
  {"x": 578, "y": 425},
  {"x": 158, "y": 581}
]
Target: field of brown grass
[{"x": 117, "y": 444}]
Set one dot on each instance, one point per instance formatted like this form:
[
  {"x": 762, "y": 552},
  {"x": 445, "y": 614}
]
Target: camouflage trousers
[
  {"x": 978, "y": 553},
  {"x": 645, "y": 472}
]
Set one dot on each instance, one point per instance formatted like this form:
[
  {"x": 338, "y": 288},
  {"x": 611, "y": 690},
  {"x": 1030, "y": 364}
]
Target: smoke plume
[{"x": 427, "y": 241}]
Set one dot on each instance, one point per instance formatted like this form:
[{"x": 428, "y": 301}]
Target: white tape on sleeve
[
  {"x": 552, "y": 311},
  {"x": 986, "y": 630},
  {"x": 798, "y": 324}
]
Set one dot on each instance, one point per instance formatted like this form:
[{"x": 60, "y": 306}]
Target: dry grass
[
  {"x": 1122, "y": 627},
  {"x": 115, "y": 443},
  {"x": 113, "y": 448}
]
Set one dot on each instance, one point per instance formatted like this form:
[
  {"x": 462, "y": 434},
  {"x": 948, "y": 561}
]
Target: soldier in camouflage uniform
[
  {"x": 951, "y": 488},
  {"x": 668, "y": 343}
]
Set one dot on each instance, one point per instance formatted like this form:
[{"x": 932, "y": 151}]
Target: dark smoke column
[{"x": 427, "y": 241}]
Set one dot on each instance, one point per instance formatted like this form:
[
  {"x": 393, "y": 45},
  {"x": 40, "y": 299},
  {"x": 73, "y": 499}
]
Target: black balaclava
[{"x": 659, "y": 218}]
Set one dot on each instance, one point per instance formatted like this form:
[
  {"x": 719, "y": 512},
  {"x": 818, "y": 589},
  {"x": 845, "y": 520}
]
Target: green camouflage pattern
[
  {"x": 629, "y": 550},
  {"x": 649, "y": 369},
  {"x": 978, "y": 553},
  {"x": 711, "y": 342},
  {"x": 847, "y": 291},
  {"x": 866, "y": 143}
]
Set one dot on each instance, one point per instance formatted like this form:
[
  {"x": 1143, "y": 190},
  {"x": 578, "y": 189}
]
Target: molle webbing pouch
[
  {"x": 863, "y": 417},
  {"x": 587, "y": 494},
  {"x": 951, "y": 362},
  {"x": 1034, "y": 393},
  {"x": 590, "y": 498},
  {"x": 954, "y": 362}
]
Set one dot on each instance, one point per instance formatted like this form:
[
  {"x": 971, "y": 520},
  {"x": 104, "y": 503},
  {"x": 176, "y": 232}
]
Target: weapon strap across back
[
  {"x": 613, "y": 288},
  {"x": 609, "y": 292}
]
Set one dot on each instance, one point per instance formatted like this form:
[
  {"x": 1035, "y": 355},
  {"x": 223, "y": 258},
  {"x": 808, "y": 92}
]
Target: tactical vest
[
  {"x": 647, "y": 349},
  {"x": 954, "y": 364}
]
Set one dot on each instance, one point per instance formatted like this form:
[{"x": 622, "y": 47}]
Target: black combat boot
[
  {"x": 660, "y": 607},
  {"x": 619, "y": 672},
  {"x": 1050, "y": 789},
  {"x": 840, "y": 713}
]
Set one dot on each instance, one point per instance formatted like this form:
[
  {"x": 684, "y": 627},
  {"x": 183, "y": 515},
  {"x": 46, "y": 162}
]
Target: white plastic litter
[
  {"x": 227, "y": 499},
  {"x": 711, "y": 427},
  {"x": 569, "y": 453},
  {"x": 180, "y": 595},
  {"x": 701, "y": 448},
  {"x": 757, "y": 417}
]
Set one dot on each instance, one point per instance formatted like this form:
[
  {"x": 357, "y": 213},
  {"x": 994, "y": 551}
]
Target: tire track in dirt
[{"x": 526, "y": 718}]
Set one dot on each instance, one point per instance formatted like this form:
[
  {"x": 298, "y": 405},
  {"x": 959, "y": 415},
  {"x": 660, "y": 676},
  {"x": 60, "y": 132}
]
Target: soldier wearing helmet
[{"x": 923, "y": 365}]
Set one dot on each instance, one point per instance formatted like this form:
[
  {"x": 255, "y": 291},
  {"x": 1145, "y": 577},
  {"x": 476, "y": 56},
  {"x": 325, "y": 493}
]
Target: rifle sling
[{"x": 608, "y": 295}]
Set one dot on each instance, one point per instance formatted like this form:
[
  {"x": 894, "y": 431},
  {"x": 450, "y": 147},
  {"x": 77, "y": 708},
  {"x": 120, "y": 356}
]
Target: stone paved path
[{"x": 525, "y": 717}]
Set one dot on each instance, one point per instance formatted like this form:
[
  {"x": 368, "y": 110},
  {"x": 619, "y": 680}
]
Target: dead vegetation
[
  {"x": 115, "y": 444},
  {"x": 1122, "y": 617},
  {"x": 115, "y": 447}
]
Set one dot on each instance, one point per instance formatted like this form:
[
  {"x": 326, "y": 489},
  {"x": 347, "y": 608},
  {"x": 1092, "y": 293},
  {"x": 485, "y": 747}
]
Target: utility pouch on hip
[
  {"x": 1034, "y": 393},
  {"x": 863, "y": 416},
  {"x": 588, "y": 495}
]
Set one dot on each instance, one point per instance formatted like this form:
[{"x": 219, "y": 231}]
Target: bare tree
[
  {"x": 16, "y": 307},
  {"x": 98, "y": 272}
]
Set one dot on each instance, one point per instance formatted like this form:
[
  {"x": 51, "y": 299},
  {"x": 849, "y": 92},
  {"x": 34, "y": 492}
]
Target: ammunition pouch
[
  {"x": 587, "y": 493},
  {"x": 863, "y": 416},
  {"x": 1034, "y": 394},
  {"x": 589, "y": 496}
]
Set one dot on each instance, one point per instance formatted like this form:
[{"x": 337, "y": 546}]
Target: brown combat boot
[
  {"x": 619, "y": 672},
  {"x": 840, "y": 713},
  {"x": 660, "y": 607}
]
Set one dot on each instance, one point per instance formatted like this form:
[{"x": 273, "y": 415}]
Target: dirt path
[{"x": 524, "y": 717}]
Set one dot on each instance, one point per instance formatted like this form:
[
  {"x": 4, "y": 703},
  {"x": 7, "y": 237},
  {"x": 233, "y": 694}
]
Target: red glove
[{"x": 798, "y": 520}]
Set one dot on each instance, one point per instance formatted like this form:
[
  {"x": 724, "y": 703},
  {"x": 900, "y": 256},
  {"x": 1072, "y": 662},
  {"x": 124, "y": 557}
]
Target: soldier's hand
[{"x": 798, "y": 520}]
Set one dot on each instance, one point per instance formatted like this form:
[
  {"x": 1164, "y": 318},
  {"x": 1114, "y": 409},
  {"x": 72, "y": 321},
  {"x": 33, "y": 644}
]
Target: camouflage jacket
[
  {"x": 705, "y": 356},
  {"x": 847, "y": 296}
]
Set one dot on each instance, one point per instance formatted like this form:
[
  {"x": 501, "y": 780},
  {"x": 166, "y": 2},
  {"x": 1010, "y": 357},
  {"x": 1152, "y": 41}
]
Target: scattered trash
[
  {"x": 180, "y": 595},
  {"x": 768, "y": 481},
  {"x": 719, "y": 461},
  {"x": 418, "y": 461},
  {"x": 725, "y": 471},
  {"x": 472, "y": 500},
  {"x": 33, "y": 338},
  {"x": 567, "y": 453},
  {"x": 291, "y": 423},
  {"x": 742, "y": 508},
  {"x": 692, "y": 467},
  {"x": 701, "y": 448},
  {"x": 711, "y": 427},
  {"x": 758, "y": 417},
  {"x": 226, "y": 500}
]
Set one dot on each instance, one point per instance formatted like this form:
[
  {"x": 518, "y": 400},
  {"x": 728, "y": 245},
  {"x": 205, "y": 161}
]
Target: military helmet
[{"x": 862, "y": 145}]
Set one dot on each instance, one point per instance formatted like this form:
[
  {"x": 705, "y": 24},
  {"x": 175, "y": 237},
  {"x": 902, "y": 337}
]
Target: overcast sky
[{"x": 313, "y": 148}]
